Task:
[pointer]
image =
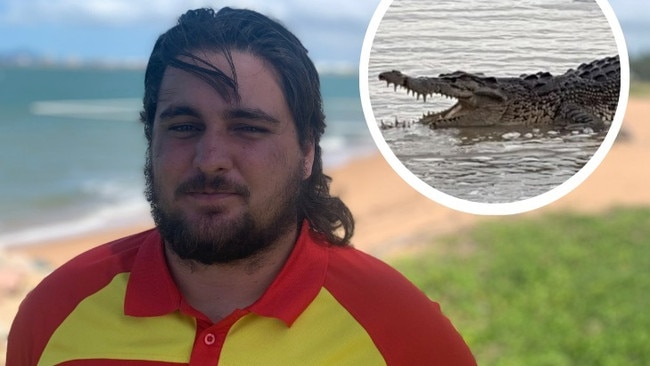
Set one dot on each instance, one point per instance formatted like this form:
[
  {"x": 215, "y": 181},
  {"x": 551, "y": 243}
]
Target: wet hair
[{"x": 226, "y": 30}]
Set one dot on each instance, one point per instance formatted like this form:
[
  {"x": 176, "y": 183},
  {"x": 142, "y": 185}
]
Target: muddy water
[{"x": 492, "y": 166}]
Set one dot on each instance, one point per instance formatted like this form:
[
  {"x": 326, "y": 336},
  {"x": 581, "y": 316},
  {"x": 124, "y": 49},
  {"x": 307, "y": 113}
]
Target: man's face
[{"x": 224, "y": 176}]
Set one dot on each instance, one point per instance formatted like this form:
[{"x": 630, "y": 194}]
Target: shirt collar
[
  {"x": 299, "y": 281},
  {"x": 151, "y": 291}
]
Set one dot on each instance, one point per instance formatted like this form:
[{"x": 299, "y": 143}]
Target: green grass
[{"x": 556, "y": 290}]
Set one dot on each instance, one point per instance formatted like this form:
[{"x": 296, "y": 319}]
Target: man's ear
[{"x": 308, "y": 159}]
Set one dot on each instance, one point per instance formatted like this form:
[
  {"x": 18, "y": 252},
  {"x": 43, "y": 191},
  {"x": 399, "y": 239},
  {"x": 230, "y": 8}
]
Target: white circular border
[{"x": 479, "y": 208}]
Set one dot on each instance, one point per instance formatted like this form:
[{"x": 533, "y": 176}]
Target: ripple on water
[{"x": 493, "y": 170}]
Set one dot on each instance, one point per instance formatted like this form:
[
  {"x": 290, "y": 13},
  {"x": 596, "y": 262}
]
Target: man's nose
[{"x": 213, "y": 153}]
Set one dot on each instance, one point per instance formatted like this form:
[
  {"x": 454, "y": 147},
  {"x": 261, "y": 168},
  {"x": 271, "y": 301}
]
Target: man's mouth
[
  {"x": 212, "y": 198},
  {"x": 214, "y": 189},
  {"x": 212, "y": 193}
]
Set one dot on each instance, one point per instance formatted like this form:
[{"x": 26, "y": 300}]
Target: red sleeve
[
  {"x": 407, "y": 327},
  {"x": 20, "y": 343},
  {"x": 47, "y": 306}
]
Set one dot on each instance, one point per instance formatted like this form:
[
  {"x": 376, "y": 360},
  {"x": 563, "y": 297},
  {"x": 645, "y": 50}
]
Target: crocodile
[{"x": 583, "y": 97}]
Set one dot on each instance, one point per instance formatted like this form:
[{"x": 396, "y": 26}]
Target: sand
[{"x": 391, "y": 217}]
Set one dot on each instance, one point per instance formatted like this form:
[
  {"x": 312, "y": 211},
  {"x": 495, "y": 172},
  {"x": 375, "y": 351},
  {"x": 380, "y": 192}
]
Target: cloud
[
  {"x": 333, "y": 31},
  {"x": 134, "y": 12},
  {"x": 84, "y": 12}
]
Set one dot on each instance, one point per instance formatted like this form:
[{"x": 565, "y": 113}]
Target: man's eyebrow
[
  {"x": 175, "y": 111},
  {"x": 250, "y": 114}
]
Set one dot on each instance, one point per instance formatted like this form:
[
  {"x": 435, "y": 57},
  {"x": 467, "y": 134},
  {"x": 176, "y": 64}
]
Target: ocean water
[
  {"x": 72, "y": 149},
  {"x": 499, "y": 38}
]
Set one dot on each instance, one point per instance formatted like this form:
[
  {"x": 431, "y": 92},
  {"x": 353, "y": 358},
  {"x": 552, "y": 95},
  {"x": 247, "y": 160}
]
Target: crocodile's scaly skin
[{"x": 584, "y": 97}]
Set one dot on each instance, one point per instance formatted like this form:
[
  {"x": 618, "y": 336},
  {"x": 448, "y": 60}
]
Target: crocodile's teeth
[{"x": 452, "y": 112}]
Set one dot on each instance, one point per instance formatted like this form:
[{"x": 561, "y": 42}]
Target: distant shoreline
[{"x": 324, "y": 68}]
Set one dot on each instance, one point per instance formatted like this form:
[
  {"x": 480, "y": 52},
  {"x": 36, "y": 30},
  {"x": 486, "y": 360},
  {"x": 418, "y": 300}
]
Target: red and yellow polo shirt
[{"x": 118, "y": 304}]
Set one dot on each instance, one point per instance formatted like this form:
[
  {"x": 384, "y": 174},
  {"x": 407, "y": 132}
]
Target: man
[{"x": 249, "y": 262}]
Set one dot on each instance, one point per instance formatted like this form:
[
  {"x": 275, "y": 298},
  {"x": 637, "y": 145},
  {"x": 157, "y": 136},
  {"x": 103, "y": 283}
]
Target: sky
[{"x": 125, "y": 30}]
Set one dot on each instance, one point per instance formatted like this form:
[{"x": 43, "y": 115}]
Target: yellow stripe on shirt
[
  {"x": 324, "y": 334},
  {"x": 100, "y": 330}
]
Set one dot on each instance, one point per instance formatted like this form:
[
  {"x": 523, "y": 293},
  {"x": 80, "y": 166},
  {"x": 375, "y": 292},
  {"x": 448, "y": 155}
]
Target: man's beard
[{"x": 214, "y": 241}]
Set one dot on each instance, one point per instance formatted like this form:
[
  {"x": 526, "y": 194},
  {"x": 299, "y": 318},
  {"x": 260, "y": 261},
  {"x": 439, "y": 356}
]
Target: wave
[
  {"x": 339, "y": 150},
  {"x": 105, "y": 217},
  {"x": 123, "y": 109},
  {"x": 77, "y": 208}
]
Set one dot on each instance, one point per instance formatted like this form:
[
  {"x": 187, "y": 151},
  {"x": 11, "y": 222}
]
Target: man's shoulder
[
  {"x": 49, "y": 303},
  {"x": 116, "y": 255},
  {"x": 88, "y": 271},
  {"x": 355, "y": 270},
  {"x": 406, "y": 326}
]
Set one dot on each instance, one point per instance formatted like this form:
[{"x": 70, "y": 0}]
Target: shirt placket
[{"x": 210, "y": 339}]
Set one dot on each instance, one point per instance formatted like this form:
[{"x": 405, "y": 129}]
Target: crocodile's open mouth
[
  {"x": 452, "y": 106},
  {"x": 459, "y": 108},
  {"x": 465, "y": 101}
]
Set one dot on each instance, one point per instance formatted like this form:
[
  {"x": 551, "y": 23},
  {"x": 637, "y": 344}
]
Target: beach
[{"x": 391, "y": 217}]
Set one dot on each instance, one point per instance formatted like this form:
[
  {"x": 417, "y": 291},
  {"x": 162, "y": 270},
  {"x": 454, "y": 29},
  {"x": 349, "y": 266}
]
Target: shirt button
[{"x": 209, "y": 339}]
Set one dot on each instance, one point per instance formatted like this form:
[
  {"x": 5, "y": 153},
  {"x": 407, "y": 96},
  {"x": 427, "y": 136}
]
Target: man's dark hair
[{"x": 248, "y": 31}]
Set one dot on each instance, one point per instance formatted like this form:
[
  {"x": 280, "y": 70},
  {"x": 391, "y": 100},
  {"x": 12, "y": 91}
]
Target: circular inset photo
[{"x": 495, "y": 107}]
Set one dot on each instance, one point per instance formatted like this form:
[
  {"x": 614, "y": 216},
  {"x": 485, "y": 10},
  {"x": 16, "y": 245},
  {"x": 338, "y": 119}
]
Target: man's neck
[{"x": 218, "y": 290}]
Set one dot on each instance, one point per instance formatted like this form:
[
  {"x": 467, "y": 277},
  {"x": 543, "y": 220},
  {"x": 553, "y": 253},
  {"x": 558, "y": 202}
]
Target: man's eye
[
  {"x": 250, "y": 129},
  {"x": 184, "y": 128}
]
